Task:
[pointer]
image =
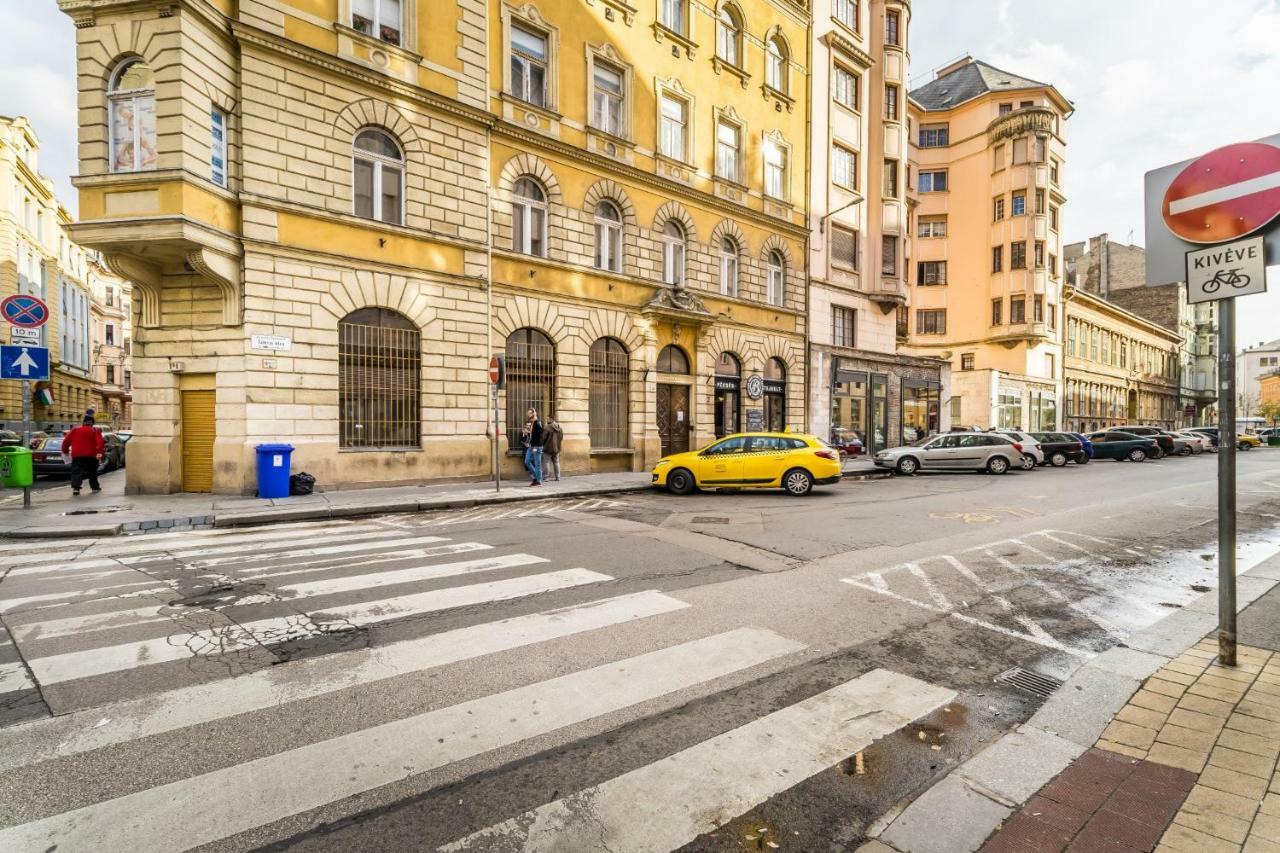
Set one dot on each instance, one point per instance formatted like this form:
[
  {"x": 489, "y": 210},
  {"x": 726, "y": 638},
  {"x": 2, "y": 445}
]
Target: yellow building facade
[
  {"x": 1269, "y": 386},
  {"x": 988, "y": 288},
  {"x": 332, "y": 213},
  {"x": 1119, "y": 368},
  {"x": 38, "y": 258}
]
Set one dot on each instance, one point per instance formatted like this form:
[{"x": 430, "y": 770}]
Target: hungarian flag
[{"x": 44, "y": 396}]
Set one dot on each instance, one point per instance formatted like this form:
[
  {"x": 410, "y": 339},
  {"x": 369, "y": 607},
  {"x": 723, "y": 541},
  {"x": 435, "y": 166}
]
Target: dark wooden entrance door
[{"x": 673, "y": 418}]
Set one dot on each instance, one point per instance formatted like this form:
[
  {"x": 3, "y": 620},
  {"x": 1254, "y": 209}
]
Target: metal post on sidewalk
[
  {"x": 26, "y": 434},
  {"x": 497, "y": 462},
  {"x": 1227, "y": 482}
]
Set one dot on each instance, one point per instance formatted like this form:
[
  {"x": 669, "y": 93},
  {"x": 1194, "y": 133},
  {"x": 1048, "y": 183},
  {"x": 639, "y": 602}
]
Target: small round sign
[
  {"x": 495, "y": 370},
  {"x": 755, "y": 387},
  {"x": 24, "y": 311},
  {"x": 1226, "y": 194}
]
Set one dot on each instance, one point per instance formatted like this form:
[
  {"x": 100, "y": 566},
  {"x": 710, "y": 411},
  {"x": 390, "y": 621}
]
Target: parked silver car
[
  {"x": 1032, "y": 452},
  {"x": 956, "y": 451}
]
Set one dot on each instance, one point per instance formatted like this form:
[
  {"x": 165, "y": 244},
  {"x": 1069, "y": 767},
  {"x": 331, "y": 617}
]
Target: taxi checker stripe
[{"x": 1230, "y": 192}]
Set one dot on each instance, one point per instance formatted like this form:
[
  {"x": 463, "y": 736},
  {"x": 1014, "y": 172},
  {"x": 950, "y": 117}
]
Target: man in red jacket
[{"x": 85, "y": 446}]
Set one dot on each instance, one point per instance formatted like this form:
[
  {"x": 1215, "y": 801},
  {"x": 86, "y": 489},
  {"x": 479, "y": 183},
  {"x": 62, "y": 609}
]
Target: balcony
[
  {"x": 1016, "y": 333},
  {"x": 1020, "y": 122},
  {"x": 888, "y": 293}
]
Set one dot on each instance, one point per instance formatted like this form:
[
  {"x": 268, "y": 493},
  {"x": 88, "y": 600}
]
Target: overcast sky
[{"x": 1153, "y": 81}]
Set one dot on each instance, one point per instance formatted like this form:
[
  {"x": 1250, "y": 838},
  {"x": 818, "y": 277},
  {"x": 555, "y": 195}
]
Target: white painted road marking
[{"x": 350, "y": 583}]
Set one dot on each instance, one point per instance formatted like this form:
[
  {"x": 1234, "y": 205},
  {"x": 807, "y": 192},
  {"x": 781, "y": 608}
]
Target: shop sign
[
  {"x": 727, "y": 383},
  {"x": 755, "y": 420},
  {"x": 755, "y": 387}
]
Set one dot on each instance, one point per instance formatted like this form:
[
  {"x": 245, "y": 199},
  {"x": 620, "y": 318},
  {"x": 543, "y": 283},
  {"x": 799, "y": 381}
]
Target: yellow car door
[
  {"x": 766, "y": 459},
  {"x": 721, "y": 464}
]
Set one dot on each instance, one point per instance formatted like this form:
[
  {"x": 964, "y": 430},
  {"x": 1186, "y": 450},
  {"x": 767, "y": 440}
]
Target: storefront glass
[
  {"x": 728, "y": 384},
  {"x": 879, "y": 413},
  {"x": 920, "y": 410},
  {"x": 1044, "y": 411},
  {"x": 849, "y": 407},
  {"x": 1010, "y": 409},
  {"x": 775, "y": 395}
]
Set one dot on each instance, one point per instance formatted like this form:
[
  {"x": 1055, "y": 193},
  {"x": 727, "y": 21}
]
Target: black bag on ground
[{"x": 302, "y": 484}]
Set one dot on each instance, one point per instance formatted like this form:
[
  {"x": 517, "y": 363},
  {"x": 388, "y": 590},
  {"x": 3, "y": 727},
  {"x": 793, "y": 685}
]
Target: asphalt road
[{"x": 721, "y": 672}]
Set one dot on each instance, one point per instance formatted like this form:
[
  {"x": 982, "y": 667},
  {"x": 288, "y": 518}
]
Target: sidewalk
[{"x": 1150, "y": 746}]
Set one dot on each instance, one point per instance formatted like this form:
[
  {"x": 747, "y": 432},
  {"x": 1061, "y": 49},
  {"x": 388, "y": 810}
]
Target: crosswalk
[{"x": 353, "y": 717}]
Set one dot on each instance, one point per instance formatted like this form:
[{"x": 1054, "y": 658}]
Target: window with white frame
[
  {"x": 674, "y": 128},
  {"x": 218, "y": 146},
  {"x": 528, "y": 217},
  {"x": 380, "y": 19},
  {"x": 608, "y": 236},
  {"x": 378, "y": 177},
  {"x": 729, "y": 35},
  {"x": 131, "y": 102},
  {"x": 776, "y": 271},
  {"x": 934, "y": 181},
  {"x": 933, "y": 226},
  {"x": 775, "y": 170},
  {"x": 529, "y": 57},
  {"x": 846, "y": 12},
  {"x": 673, "y": 247},
  {"x": 728, "y": 150},
  {"x": 844, "y": 87},
  {"x": 931, "y": 272},
  {"x": 775, "y": 65},
  {"x": 728, "y": 267},
  {"x": 674, "y": 15},
  {"x": 844, "y": 167},
  {"x": 935, "y": 135},
  {"x": 607, "y": 98}
]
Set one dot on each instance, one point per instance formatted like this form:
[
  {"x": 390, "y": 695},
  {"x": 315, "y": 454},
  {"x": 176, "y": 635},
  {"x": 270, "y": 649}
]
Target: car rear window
[{"x": 51, "y": 444}]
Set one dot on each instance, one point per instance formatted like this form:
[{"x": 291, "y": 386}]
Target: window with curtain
[
  {"x": 844, "y": 167},
  {"x": 378, "y": 177},
  {"x": 529, "y": 217},
  {"x": 846, "y": 12},
  {"x": 529, "y": 57},
  {"x": 131, "y": 104},
  {"x": 844, "y": 87},
  {"x": 218, "y": 146},
  {"x": 607, "y": 98},
  {"x": 673, "y": 249},
  {"x": 608, "y": 236},
  {"x": 378, "y": 18},
  {"x": 776, "y": 273},
  {"x": 531, "y": 379},
  {"x": 609, "y": 385},
  {"x": 379, "y": 387},
  {"x": 673, "y": 15}
]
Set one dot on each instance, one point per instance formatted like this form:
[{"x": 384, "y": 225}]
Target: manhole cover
[
  {"x": 709, "y": 519},
  {"x": 1030, "y": 682}
]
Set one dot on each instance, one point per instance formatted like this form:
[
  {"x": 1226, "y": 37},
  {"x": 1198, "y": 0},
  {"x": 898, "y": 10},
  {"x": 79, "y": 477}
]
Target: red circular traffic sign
[
  {"x": 1227, "y": 193},
  {"x": 24, "y": 311},
  {"x": 495, "y": 370}
]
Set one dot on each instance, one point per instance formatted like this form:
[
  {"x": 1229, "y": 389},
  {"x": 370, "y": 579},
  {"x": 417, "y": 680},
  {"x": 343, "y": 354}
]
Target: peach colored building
[{"x": 987, "y": 293}]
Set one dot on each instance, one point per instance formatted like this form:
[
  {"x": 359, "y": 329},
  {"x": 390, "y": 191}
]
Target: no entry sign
[
  {"x": 26, "y": 312},
  {"x": 1227, "y": 193}
]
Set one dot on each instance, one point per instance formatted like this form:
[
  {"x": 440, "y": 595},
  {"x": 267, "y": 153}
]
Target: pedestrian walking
[
  {"x": 85, "y": 446},
  {"x": 551, "y": 449},
  {"x": 533, "y": 450}
]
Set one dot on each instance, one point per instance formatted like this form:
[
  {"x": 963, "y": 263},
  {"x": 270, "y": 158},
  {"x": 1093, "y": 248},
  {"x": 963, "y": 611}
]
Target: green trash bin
[
  {"x": 1273, "y": 440},
  {"x": 16, "y": 471}
]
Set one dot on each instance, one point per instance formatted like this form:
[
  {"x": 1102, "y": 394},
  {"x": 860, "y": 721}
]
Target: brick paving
[{"x": 1188, "y": 766}]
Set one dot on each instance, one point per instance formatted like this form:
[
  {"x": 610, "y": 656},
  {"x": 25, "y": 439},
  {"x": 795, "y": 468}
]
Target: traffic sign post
[
  {"x": 1198, "y": 212},
  {"x": 497, "y": 381}
]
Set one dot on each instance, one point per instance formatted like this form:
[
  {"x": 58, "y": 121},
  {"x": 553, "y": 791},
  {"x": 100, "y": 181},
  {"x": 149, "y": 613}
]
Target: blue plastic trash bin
[{"x": 273, "y": 470}]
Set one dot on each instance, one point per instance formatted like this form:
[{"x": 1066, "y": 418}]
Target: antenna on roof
[{"x": 959, "y": 62}]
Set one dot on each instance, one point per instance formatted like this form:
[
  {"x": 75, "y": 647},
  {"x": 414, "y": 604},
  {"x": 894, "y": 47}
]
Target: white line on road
[
  {"x": 203, "y": 809},
  {"x": 13, "y": 676},
  {"x": 667, "y": 804},
  {"x": 350, "y": 583}
]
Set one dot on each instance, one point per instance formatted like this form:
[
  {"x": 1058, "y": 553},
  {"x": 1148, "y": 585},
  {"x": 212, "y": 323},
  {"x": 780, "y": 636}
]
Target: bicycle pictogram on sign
[{"x": 1232, "y": 277}]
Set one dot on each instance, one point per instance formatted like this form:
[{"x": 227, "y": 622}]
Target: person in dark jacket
[
  {"x": 85, "y": 446},
  {"x": 551, "y": 449},
  {"x": 533, "y": 451}
]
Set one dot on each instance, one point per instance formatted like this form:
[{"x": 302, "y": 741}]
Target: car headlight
[{"x": 660, "y": 463}]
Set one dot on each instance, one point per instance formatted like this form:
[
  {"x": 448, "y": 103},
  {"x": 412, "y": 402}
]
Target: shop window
[
  {"x": 131, "y": 103},
  {"x": 921, "y": 409},
  {"x": 1009, "y": 409},
  {"x": 531, "y": 379},
  {"x": 609, "y": 387},
  {"x": 728, "y": 383},
  {"x": 378, "y": 177},
  {"x": 379, "y": 388},
  {"x": 775, "y": 395}
]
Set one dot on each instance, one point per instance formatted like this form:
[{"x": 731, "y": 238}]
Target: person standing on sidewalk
[
  {"x": 533, "y": 453},
  {"x": 85, "y": 446},
  {"x": 551, "y": 449}
]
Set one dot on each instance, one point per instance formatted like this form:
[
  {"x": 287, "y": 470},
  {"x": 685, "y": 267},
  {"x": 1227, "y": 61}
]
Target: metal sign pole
[
  {"x": 26, "y": 434},
  {"x": 497, "y": 469},
  {"x": 1227, "y": 482}
]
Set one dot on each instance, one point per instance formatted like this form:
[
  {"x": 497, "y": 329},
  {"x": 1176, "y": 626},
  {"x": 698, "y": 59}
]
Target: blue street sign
[{"x": 23, "y": 362}]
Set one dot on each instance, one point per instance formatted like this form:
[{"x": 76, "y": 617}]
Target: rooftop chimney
[{"x": 955, "y": 65}]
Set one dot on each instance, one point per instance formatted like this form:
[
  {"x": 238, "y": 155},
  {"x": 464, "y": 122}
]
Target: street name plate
[
  {"x": 271, "y": 343},
  {"x": 1227, "y": 270}
]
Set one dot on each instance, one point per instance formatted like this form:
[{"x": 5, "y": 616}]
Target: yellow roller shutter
[{"x": 199, "y": 429}]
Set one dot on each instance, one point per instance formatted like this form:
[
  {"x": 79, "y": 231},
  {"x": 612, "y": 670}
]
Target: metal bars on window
[
  {"x": 610, "y": 378},
  {"x": 379, "y": 381},
  {"x": 531, "y": 380}
]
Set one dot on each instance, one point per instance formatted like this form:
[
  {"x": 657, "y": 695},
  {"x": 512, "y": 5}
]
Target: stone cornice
[{"x": 837, "y": 42}]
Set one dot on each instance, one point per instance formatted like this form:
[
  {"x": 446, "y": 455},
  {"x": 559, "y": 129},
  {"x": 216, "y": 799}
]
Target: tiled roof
[{"x": 968, "y": 82}]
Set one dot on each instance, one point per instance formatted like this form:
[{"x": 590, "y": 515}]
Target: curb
[{"x": 962, "y": 809}]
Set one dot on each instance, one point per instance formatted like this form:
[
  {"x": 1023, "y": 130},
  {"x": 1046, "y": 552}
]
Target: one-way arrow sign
[{"x": 22, "y": 362}]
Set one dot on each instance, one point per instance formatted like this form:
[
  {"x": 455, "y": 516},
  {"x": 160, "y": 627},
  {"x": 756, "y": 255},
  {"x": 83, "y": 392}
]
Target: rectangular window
[
  {"x": 529, "y": 65},
  {"x": 775, "y": 170},
  {"x": 218, "y": 146},
  {"x": 110, "y": 335},
  {"x": 966, "y": 361},
  {"x": 1071, "y": 337},
  {"x": 1017, "y": 309},
  {"x": 728, "y": 146},
  {"x": 1019, "y": 151},
  {"x": 889, "y": 255},
  {"x": 1051, "y": 314},
  {"x": 377, "y": 18},
  {"x": 934, "y": 135},
  {"x": 844, "y": 167},
  {"x": 997, "y": 209},
  {"x": 1039, "y": 254},
  {"x": 931, "y": 321},
  {"x": 891, "y": 102},
  {"x": 1054, "y": 169},
  {"x": 891, "y": 178},
  {"x": 1020, "y": 203},
  {"x": 607, "y": 98},
  {"x": 997, "y": 312},
  {"x": 892, "y": 27},
  {"x": 846, "y": 12},
  {"x": 997, "y": 258},
  {"x": 844, "y": 247},
  {"x": 1093, "y": 344},
  {"x": 1053, "y": 219},
  {"x": 933, "y": 226},
  {"x": 111, "y": 374},
  {"x": 1042, "y": 149},
  {"x": 673, "y": 15},
  {"x": 934, "y": 181},
  {"x": 931, "y": 272},
  {"x": 671, "y": 140},
  {"x": 1040, "y": 201},
  {"x": 842, "y": 326},
  {"x": 1038, "y": 309},
  {"x": 1018, "y": 255},
  {"x": 844, "y": 87},
  {"x": 997, "y": 158},
  {"x": 1006, "y": 108}
]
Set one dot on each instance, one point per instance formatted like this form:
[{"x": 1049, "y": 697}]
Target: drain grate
[{"x": 1030, "y": 682}]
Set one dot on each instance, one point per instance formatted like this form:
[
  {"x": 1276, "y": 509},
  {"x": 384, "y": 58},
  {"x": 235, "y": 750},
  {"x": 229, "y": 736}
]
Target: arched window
[
  {"x": 776, "y": 270},
  {"x": 775, "y": 395},
  {"x": 531, "y": 379},
  {"x": 131, "y": 102},
  {"x": 728, "y": 267},
  {"x": 729, "y": 35},
  {"x": 529, "y": 218},
  {"x": 610, "y": 377},
  {"x": 672, "y": 359},
  {"x": 673, "y": 247},
  {"x": 379, "y": 365},
  {"x": 608, "y": 237},
  {"x": 378, "y": 177},
  {"x": 728, "y": 385},
  {"x": 775, "y": 65}
]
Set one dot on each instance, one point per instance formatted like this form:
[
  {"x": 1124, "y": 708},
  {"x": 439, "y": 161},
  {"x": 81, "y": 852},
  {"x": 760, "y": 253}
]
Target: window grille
[
  {"x": 531, "y": 379},
  {"x": 610, "y": 379},
  {"x": 379, "y": 387}
]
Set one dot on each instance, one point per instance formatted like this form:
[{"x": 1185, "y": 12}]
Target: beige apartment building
[
  {"x": 333, "y": 213},
  {"x": 38, "y": 258},
  {"x": 111, "y": 333},
  {"x": 988, "y": 289},
  {"x": 860, "y": 248}
]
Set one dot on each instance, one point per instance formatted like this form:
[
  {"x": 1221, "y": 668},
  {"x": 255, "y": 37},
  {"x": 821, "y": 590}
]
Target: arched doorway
[
  {"x": 728, "y": 387},
  {"x": 775, "y": 395},
  {"x": 673, "y": 414}
]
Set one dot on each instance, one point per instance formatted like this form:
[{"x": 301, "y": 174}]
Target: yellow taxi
[
  {"x": 1247, "y": 441},
  {"x": 752, "y": 460}
]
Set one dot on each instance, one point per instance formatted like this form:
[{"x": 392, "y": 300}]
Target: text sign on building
[
  {"x": 271, "y": 343},
  {"x": 1226, "y": 270},
  {"x": 1211, "y": 204},
  {"x": 19, "y": 335},
  {"x": 25, "y": 311},
  {"x": 23, "y": 362}
]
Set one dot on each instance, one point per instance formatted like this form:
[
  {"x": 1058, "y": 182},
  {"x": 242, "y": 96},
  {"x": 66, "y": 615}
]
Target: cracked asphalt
[{"x": 952, "y": 579}]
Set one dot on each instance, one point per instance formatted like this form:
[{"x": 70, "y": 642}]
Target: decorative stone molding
[
  {"x": 224, "y": 271},
  {"x": 534, "y": 166},
  {"x": 728, "y": 228},
  {"x": 774, "y": 243},
  {"x": 675, "y": 210},
  {"x": 146, "y": 284},
  {"x": 373, "y": 113},
  {"x": 614, "y": 192}
]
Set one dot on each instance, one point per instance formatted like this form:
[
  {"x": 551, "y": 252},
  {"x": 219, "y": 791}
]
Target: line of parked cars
[
  {"x": 996, "y": 451},
  {"x": 46, "y": 450}
]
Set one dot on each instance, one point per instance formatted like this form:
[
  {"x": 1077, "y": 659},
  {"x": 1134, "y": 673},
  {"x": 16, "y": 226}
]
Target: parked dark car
[
  {"x": 1060, "y": 448},
  {"x": 1165, "y": 440},
  {"x": 46, "y": 458},
  {"x": 1088, "y": 446},
  {"x": 1118, "y": 445},
  {"x": 848, "y": 445},
  {"x": 9, "y": 438}
]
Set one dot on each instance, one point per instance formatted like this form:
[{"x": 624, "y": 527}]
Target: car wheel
[
  {"x": 908, "y": 465},
  {"x": 798, "y": 482},
  {"x": 1159, "y": 453},
  {"x": 1186, "y": 451},
  {"x": 1245, "y": 446},
  {"x": 1058, "y": 459},
  {"x": 1138, "y": 455},
  {"x": 1028, "y": 462},
  {"x": 1083, "y": 460},
  {"x": 997, "y": 465},
  {"x": 680, "y": 482}
]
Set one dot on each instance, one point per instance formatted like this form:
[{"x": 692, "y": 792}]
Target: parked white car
[
  {"x": 1032, "y": 452},
  {"x": 1196, "y": 443}
]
